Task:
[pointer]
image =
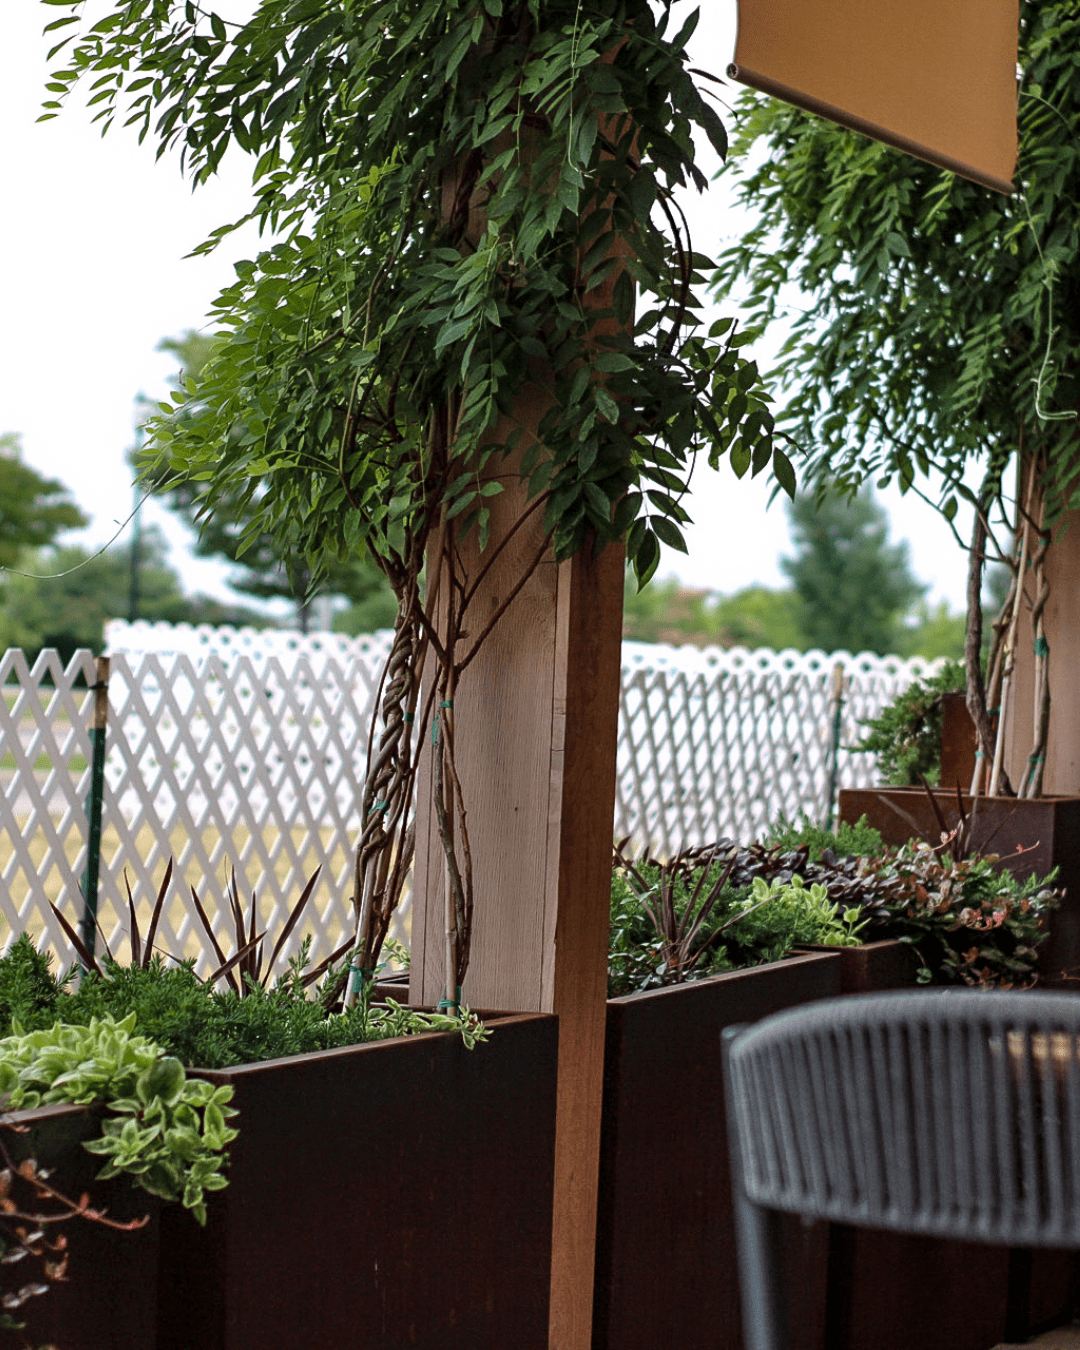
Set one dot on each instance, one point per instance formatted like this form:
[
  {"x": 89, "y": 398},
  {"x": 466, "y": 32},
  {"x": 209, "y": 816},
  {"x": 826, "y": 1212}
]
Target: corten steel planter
[
  {"x": 109, "y": 1299},
  {"x": 874, "y": 967},
  {"x": 384, "y": 1196},
  {"x": 1047, "y": 828},
  {"x": 666, "y": 1270}
]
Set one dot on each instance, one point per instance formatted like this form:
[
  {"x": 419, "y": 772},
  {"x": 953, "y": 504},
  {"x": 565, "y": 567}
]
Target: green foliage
[
  {"x": 166, "y": 1131},
  {"x": 936, "y": 632},
  {"x": 70, "y": 610},
  {"x": 28, "y": 988},
  {"x": 906, "y": 734},
  {"x": 752, "y": 920},
  {"x": 260, "y": 568},
  {"x": 384, "y": 322},
  {"x": 33, "y": 509},
  {"x": 206, "y": 1028},
  {"x": 932, "y": 321},
  {"x": 665, "y": 611},
  {"x": 970, "y": 921},
  {"x": 371, "y": 602},
  {"x": 853, "y": 588},
  {"x": 758, "y": 616},
  {"x": 805, "y": 912},
  {"x": 860, "y": 840}
]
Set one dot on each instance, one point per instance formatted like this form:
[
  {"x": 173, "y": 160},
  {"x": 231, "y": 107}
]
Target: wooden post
[
  {"x": 536, "y": 718},
  {"x": 1062, "y": 624}
]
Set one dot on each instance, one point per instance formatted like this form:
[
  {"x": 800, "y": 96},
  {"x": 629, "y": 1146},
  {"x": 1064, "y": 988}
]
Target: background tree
[
  {"x": 667, "y": 611},
  {"x": 69, "y": 608},
  {"x": 934, "y": 323},
  {"x": 853, "y": 588},
  {"x": 262, "y": 567},
  {"x": 33, "y": 509}
]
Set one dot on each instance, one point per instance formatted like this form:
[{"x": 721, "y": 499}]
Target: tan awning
[{"x": 936, "y": 78}]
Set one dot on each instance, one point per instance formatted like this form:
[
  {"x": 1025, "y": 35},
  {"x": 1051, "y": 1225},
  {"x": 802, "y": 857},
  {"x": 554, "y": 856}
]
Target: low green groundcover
[{"x": 709, "y": 910}]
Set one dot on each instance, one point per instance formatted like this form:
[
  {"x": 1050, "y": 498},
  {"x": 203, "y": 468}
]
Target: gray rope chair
[{"x": 952, "y": 1113}]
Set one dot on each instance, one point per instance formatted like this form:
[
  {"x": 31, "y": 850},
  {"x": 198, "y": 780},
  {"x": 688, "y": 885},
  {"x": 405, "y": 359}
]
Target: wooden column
[
  {"x": 536, "y": 719},
  {"x": 1062, "y": 619}
]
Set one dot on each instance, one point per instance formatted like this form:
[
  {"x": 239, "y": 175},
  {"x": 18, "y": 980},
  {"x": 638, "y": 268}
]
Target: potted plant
[
  {"x": 665, "y": 1231},
  {"x": 363, "y": 1131},
  {"x": 81, "y": 1239},
  {"x": 665, "y": 1228}
]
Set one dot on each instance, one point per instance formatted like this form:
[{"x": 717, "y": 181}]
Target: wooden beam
[{"x": 536, "y": 724}]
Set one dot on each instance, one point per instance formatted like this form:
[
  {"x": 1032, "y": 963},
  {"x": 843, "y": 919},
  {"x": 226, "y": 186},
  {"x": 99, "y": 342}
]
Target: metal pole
[
  {"x": 834, "y": 757},
  {"x": 94, "y": 802}
]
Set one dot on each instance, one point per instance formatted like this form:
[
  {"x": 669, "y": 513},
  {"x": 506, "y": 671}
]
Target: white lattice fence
[
  {"x": 716, "y": 743},
  {"x": 245, "y": 750},
  {"x": 246, "y": 762},
  {"x": 45, "y": 753}
]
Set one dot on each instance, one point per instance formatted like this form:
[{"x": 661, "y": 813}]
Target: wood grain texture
[
  {"x": 666, "y": 1268},
  {"x": 1062, "y": 621},
  {"x": 537, "y": 722}
]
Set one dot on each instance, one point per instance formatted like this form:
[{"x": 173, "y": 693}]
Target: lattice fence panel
[
  {"x": 246, "y": 750},
  {"x": 723, "y": 743},
  {"x": 243, "y": 762},
  {"x": 45, "y": 776}
]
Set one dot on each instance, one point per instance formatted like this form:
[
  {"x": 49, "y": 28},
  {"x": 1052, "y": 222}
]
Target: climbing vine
[
  {"x": 465, "y": 200},
  {"x": 933, "y": 325}
]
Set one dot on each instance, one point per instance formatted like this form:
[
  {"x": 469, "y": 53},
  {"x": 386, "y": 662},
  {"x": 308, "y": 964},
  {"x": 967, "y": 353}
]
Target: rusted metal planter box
[
  {"x": 1047, "y": 828},
  {"x": 874, "y": 967},
  {"x": 666, "y": 1270},
  {"x": 109, "y": 1299},
  {"x": 385, "y": 1196}
]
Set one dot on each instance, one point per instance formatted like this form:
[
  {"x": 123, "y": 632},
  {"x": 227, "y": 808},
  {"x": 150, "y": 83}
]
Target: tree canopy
[
  {"x": 33, "y": 509},
  {"x": 67, "y": 606},
  {"x": 853, "y": 588},
  {"x": 377, "y": 313},
  {"x": 933, "y": 321}
]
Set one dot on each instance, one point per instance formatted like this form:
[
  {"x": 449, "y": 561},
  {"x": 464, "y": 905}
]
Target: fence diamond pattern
[
  {"x": 45, "y": 737},
  {"x": 245, "y": 751},
  {"x": 719, "y": 743}
]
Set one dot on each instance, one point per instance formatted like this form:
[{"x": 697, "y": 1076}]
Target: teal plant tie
[
  {"x": 1042, "y": 647},
  {"x": 359, "y": 978},
  {"x": 446, "y": 703},
  {"x": 451, "y": 1006},
  {"x": 408, "y": 718},
  {"x": 1036, "y": 759}
]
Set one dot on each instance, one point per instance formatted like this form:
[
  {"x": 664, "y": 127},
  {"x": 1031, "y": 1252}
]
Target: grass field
[{"x": 75, "y": 764}]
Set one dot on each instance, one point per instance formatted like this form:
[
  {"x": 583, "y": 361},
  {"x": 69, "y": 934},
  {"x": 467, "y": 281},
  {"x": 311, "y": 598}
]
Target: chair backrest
[{"x": 949, "y": 1113}]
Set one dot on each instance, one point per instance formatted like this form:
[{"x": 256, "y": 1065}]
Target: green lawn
[{"x": 76, "y": 764}]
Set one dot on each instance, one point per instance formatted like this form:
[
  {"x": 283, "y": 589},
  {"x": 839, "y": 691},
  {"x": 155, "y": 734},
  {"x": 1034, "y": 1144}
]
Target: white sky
[{"x": 93, "y": 236}]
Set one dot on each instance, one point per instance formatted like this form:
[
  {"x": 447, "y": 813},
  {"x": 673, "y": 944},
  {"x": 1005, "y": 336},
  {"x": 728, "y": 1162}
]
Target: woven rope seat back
[{"x": 955, "y": 1114}]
